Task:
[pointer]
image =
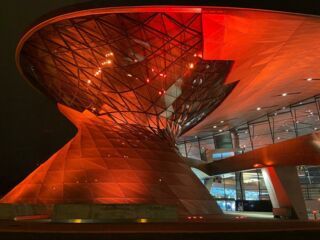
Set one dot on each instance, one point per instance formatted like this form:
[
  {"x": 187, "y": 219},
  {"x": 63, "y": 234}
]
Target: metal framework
[{"x": 136, "y": 68}]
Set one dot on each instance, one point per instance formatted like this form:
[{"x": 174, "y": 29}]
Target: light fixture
[
  {"x": 309, "y": 79},
  {"x": 258, "y": 108},
  {"x": 108, "y": 54},
  {"x": 221, "y": 121},
  {"x": 89, "y": 81},
  {"x": 258, "y": 165},
  {"x": 129, "y": 75},
  {"x": 220, "y": 130},
  {"x": 214, "y": 126},
  {"x": 148, "y": 80},
  {"x": 284, "y": 94},
  {"x": 191, "y": 65}
]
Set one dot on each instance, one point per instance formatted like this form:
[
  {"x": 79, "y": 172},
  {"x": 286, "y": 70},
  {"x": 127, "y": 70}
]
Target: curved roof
[{"x": 171, "y": 67}]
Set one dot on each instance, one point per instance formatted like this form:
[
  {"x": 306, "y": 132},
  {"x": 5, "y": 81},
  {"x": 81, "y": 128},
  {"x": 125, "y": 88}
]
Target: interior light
[
  {"x": 142, "y": 220},
  {"x": 221, "y": 121},
  {"x": 258, "y": 108},
  {"x": 284, "y": 94},
  {"x": 129, "y": 75},
  {"x": 191, "y": 65},
  {"x": 309, "y": 79},
  {"x": 258, "y": 165},
  {"x": 214, "y": 126},
  {"x": 220, "y": 130},
  {"x": 108, "y": 54},
  {"x": 148, "y": 80},
  {"x": 89, "y": 81},
  {"x": 315, "y": 129}
]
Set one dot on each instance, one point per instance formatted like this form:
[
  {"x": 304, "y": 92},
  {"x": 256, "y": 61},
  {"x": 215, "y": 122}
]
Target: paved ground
[{"x": 217, "y": 230}]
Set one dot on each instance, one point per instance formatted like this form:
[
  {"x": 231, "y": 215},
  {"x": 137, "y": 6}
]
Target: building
[{"x": 142, "y": 82}]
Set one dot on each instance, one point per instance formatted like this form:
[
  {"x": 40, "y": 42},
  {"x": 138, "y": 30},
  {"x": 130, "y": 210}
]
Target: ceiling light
[
  {"x": 220, "y": 130},
  {"x": 258, "y": 108},
  {"x": 129, "y": 75},
  {"x": 258, "y": 165},
  {"x": 278, "y": 138},
  {"x": 214, "y": 126},
  {"x": 284, "y": 94},
  {"x": 108, "y": 54},
  {"x": 221, "y": 121},
  {"x": 89, "y": 81},
  {"x": 315, "y": 129},
  {"x": 309, "y": 79},
  {"x": 191, "y": 65},
  {"x": 148, "y": 80}
]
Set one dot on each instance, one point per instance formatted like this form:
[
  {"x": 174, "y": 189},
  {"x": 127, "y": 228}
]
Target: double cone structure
[{"x": 132, "y": 82}]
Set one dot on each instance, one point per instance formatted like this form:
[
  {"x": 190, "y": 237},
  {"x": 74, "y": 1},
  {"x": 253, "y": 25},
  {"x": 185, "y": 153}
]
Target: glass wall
[{"x": 286, "y": 123}]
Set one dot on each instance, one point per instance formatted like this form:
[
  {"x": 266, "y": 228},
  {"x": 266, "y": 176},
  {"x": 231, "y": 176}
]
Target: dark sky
[{"x": 31, "y": 127}]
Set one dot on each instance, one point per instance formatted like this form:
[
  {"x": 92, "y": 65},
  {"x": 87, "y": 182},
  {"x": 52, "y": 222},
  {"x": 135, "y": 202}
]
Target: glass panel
[
  {"x": 182, "y": 149},
  {"x": 193, "y": 150},
  {"x": 251, "y": 185},
  {"x": 207, "y": 148}
]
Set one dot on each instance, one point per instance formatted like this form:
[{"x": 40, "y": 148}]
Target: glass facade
[{"x": 288, "y": 122}]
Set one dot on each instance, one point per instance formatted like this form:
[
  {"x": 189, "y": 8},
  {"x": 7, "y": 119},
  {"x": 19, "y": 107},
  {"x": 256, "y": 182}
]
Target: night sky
[{"x": 32, "y": 129}]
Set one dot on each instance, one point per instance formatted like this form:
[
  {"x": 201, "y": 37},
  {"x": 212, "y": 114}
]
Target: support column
[{"x": 285, "y": 191}]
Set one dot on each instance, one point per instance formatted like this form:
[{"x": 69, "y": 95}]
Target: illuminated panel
[{"x": 108, "y": 163}]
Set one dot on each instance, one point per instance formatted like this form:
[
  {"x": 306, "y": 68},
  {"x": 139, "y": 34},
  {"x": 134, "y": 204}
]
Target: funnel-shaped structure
[{"x": 133, "y": 82}]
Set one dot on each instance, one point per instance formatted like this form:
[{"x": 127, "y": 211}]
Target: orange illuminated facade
[{"x": 134, "y": 80}]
